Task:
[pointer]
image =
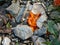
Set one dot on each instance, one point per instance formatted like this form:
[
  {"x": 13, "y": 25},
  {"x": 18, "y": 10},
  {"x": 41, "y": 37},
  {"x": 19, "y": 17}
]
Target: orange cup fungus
[{"x": 32, "y": 19}]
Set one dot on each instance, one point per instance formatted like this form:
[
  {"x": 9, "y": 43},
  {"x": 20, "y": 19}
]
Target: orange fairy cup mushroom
[
  {"x": 57, "y": 2},
  {"x": 32, "y": 18}
]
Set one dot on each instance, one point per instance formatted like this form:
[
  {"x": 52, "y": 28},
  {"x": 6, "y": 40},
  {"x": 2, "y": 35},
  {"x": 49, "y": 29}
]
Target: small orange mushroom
[{"x": 32, "y": 18}]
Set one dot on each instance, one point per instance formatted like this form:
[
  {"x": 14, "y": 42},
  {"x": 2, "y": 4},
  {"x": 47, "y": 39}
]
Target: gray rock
[
  {"x": 40, "y": 32},
  {"x": 23, "y": 31}
]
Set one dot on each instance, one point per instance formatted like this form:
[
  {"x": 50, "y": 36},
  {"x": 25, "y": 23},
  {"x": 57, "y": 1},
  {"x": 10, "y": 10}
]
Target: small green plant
[
  {"x": 53, "y": 31},
  {"x": 8, "y": 25}
]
